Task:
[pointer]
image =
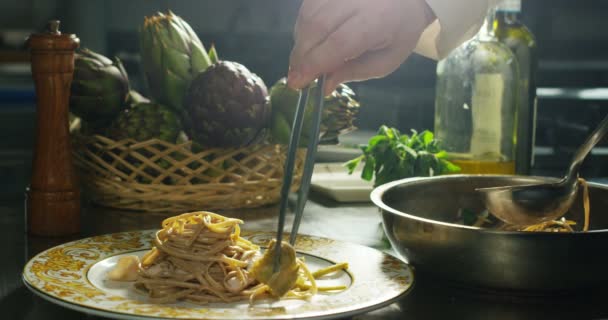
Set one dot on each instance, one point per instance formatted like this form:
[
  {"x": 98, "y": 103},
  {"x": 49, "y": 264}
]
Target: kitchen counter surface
[{"x": 359, "y": 223}]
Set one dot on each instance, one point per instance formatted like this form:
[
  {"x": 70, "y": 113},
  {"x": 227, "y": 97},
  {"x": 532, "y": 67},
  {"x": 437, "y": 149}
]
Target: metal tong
[{"x": 294, "y": 141}]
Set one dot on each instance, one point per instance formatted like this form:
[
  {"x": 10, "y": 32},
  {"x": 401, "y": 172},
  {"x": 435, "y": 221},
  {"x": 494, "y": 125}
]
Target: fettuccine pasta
[{"x": 201, "y": 257}]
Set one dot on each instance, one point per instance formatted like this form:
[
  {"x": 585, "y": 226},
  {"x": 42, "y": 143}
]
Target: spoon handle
[{"x": 582, "y": 152}]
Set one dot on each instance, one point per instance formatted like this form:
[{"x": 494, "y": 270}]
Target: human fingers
[
  {"x": 312, "y": 28},
  {"x": 375, "y": 64},
  {"x": 349, "y": 41},
  {"x": 308, "y": 9},
  {"x": 311, "y": 6}
]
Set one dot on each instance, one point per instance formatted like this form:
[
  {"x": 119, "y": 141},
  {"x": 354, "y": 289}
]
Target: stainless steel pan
[{"x": 418, "y": 216}]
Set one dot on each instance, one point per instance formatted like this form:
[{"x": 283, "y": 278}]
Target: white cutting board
[{"x": 333, "y": 180}]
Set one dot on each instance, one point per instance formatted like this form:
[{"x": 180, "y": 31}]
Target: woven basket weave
[{"x": 158, "y": 176}]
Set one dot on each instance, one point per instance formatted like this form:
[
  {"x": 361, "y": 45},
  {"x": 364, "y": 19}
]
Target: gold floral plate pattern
[{"x": 73, "y": 275}]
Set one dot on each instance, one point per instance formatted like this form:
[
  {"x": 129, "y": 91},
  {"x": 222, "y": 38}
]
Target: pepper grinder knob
[
  {"x": 53, "y": 27},
  {"x": 53, "y": 197}
]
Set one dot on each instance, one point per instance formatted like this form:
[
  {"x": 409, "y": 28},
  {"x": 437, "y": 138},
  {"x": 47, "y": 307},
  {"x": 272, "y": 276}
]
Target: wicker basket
[{"x": 158, "y": 176}]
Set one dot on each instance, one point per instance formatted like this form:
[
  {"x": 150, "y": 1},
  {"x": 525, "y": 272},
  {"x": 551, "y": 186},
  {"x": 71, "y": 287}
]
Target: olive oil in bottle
[
  {"x": 476, "y": 104},
  {"x": 485, "y": 167},
  {"x": 509, "y": 30}
]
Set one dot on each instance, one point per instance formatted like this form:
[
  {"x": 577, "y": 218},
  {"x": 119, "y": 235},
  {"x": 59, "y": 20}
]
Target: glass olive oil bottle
[
  {"x": 509, "y": 30},
  {"x": 476, "y": 104}
]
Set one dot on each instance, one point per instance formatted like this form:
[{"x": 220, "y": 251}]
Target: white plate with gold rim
[{"x": 73, "y": 275}]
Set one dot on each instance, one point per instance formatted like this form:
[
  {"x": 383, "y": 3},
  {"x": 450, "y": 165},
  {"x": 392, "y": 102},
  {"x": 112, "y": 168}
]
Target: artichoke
[
  {"x": 281, "y": 281},
  {"x": 213, "y": 55},
  {"x": 226, "y": 106},
  {"x": 144, "y": 121},
  {"x": 134, "y": 98},
  {"x": 340, "y": 110},
  {"x": 99, "y": 89},
  {"x": 172, "y": 55}
]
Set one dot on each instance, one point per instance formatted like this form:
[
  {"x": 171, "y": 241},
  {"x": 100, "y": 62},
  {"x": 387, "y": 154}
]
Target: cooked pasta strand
[
  {"x": 586, "y": 204},
  {"x": 331, "y": 269},
  {"x": 200, "y": 257}
]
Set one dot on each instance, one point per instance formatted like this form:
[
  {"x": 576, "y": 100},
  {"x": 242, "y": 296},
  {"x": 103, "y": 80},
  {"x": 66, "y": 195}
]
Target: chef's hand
[{"x": 353, "y": 40}]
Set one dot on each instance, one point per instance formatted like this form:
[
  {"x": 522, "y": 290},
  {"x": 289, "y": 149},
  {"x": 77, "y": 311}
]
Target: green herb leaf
[
  {"x": 368, "y": 169},
  {"x": 375, "y": 140},
  {"x": 407, "y": 149},
  {"x": 427, "y": 137},
  {"x": 391, "y": 156},
  {"x": 441, "y": 154},
  {"x": 352, "y": 164},
  {"x": 448, "y": 167},
  {"x": 426, "y": 164},
  {"x": 468, "y": 217},
  {"x": 384, "y": 131}
]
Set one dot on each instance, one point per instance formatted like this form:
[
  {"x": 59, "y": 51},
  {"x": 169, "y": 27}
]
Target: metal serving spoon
[{"x": 532, "y": 204}]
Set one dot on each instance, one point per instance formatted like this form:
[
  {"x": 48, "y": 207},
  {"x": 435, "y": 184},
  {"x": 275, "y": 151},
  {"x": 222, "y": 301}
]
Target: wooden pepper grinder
[{"x": 53, "y": 198}]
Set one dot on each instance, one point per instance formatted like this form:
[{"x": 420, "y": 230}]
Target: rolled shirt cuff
[{"x": 457, "y": 21}]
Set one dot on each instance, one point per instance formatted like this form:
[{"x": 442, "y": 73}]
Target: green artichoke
[
  {"x": 99, "y": 89},
  {"x": 213, "y": 55},
  {"x": 226, "y": 106},
  {"x": 134, "y": 98},
  {"x": 172, "y": 55},
  {"x": 145, "y": 121},
  {"x": 339, "y": 112}
]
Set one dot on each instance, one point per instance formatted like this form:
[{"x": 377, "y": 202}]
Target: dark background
[{"x": 573, "y": 69}]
